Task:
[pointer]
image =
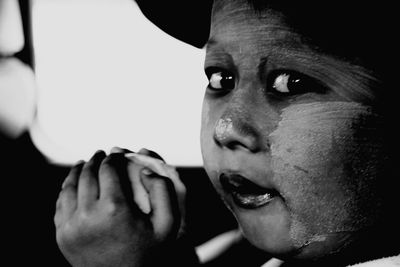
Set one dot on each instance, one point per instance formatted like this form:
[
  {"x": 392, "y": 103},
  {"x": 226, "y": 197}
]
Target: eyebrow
[{"x": 260, "y": 67}]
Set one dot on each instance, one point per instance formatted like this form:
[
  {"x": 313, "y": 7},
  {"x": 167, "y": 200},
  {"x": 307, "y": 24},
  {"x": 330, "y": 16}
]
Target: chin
[
  {"x": 270, "y": 229},
  {"x": 267, "y": 227}
]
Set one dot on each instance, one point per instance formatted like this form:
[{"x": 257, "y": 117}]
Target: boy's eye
[
  {"x": 286, "y": 83},
  {"x": 220, "y": 80}
]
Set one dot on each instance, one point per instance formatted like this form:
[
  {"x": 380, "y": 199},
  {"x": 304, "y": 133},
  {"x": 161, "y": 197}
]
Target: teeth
[{"x": 251, "y": 201}]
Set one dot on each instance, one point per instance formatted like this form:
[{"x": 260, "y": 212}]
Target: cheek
[
  {"x": 205, "y": 130},
  {"x": 325, "y": 164},
  {"x": 208, "y": 120}
]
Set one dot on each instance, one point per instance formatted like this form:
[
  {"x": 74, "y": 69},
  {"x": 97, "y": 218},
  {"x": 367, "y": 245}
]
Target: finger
[
  {"x": 165, "y": 214},
  {"x": 150, "y": 153},
  {"x": 73, "y": 175},
  {"x": 117, "y": 149},
  {"x": 66, "y": 204},
  {"x": 154, "y": 164},
  {"x": 140, "y": 195},
  {"x": 159, "y": 166},
  {"x": 88, "y": 188},
  {"x": 67, "y": 200},
  {"x": 111, "y": 169}
]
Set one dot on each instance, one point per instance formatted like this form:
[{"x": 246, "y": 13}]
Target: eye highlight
[
  {"x": 219, "y": 79},
  {"x": 287, "y": 83}
]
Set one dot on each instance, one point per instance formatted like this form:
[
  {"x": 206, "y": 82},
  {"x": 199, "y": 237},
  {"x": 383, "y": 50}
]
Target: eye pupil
[
  {"x": 295, "y": 85},
  {"x": 227, "y": 82}
]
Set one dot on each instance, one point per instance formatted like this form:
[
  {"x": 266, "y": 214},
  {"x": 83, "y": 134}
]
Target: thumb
[{"x": 165, "y": 215}]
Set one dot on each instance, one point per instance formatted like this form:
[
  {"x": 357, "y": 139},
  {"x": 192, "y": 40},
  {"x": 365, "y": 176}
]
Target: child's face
[{"x": 285, "y": 142}]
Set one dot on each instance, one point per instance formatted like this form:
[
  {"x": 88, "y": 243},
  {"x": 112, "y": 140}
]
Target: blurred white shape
[
  {"x": 108, "y": 77},
  {"x": 216, "y": 246},
  {"x": 17, "y": 97},
  {"x": 11, "y": 30}
]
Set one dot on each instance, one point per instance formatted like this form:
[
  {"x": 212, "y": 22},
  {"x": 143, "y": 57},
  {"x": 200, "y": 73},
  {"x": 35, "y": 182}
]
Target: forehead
[
  {"x": 236, "y": 26},
  {"x": 238, "y": 17},
  {"x": 333, "y": 27}
]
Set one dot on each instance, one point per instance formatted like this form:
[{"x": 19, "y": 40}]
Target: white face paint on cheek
[{"x": 325, "y": 162}]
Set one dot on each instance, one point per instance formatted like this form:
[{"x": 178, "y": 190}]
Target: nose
[{"x": 237, "y": 130}]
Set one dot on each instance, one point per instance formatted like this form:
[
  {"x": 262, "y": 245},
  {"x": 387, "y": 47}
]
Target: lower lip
[{"x": 248, "y": 201}]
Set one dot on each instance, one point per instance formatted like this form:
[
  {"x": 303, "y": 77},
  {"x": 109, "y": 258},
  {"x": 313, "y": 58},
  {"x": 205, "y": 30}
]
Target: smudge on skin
[
  {"x": 224, "y": 126},
  {"x": 318, "y": 238},
  {"x": 326, "y": 157}
]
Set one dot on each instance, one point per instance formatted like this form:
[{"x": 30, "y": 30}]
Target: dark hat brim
[{"x": 187, "y": 21}]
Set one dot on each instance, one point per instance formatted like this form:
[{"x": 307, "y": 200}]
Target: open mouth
[{"x": 245, "y": 193}]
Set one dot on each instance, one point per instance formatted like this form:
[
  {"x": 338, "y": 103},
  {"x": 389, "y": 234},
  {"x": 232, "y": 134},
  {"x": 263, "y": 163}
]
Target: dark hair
[{"x": 358, "y": 31}]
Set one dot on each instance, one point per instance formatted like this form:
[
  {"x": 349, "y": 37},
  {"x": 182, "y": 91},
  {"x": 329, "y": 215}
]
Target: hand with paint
[{"x": 118, "y": 210}]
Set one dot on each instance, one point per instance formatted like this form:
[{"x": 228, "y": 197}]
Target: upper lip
[{"x": 236, "y": 182}]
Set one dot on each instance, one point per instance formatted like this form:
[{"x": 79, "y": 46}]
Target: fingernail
[
  {"x": 143, "y": 151},
  {"x": 130, "y": 155},
  {"x": 115, "y": 149},
  {"x": 146, "y": 209},
  {"x": 147, "y": 172}
]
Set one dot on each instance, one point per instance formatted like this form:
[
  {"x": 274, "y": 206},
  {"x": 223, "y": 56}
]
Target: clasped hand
[{"x": 118, "y": 209}]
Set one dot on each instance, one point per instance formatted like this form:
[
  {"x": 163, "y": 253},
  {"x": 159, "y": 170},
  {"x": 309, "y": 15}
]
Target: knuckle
[
  {"x": 65, "y": 232},
  {"x": 57, "y": 219},
  {"x": 84, "y": 216},
  {"x": 172, "y": 170},
  {"x": 112, "y": 207},
  {"x": 67, "y": 187},
  {"x": 58, "y": 204},
  {"x": 62, "y": 196},
  {"x": 65, "y": 194}
]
